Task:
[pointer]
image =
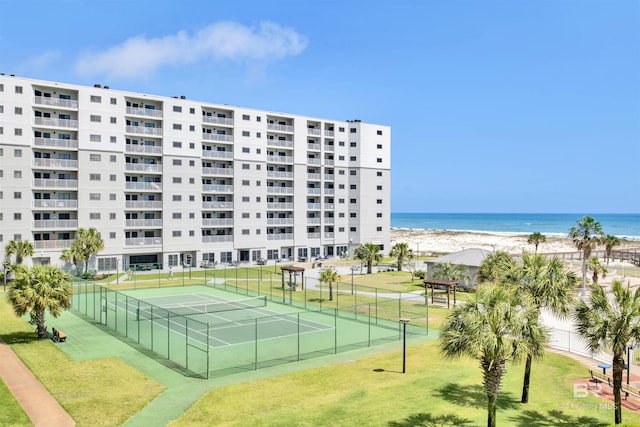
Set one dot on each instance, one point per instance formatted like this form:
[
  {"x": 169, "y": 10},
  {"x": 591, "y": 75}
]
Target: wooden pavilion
[
  {"x": 440, "y": 286},
  {"x": 293, "y": 271}
]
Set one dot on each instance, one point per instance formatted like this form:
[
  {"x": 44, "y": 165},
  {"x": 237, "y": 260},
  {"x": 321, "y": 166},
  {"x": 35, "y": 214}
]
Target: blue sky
[{"x": 495, "y": 106}]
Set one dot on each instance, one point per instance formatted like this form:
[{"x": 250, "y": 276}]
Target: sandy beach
[{"x": 444, "y": 241}]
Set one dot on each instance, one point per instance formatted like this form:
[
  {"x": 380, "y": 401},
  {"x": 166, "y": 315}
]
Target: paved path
[{"x": 37, "y": 402}]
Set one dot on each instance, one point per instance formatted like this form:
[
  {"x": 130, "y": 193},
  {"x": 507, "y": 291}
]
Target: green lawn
[{"x": 11, "y": 413}]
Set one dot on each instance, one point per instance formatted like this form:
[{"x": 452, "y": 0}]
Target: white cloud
[{"x": 220, "y": 41}]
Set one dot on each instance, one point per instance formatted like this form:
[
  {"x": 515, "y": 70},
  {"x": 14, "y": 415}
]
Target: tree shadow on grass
[
  {"x": 20, "y": 337},
  {"x": 474, "y": 396},
  {"x": 553, "y": 417},
  {"x": 428, "y": 420}
]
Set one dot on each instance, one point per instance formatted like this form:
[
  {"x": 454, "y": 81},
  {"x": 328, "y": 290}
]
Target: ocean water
[{"x": 624, "y": 226}]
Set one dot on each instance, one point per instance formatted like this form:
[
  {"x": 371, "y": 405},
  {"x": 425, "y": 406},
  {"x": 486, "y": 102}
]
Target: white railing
[
  {"x": 54, "y": 203},
  {"x": 280, "y": 159},
  {"x": 217, "y": 188},
  {"x": 146, "y": 112},
  {"x": 313, "y": 161},
  {"x": 151, "y": 186},
  {"x": 280, "y": 236},
  {"x": 279, "y": 221},
  {"x": 53, "y": 244},
  {"x": 142, "y": 167},
  {"x": 313, "y": 235},
  {"x": 217, "y": 137},
  {"x": 218, "y": 171},
  {"x": 55, "y": 142},
  {"x": 314, "y": 176},
  {"x": 313, "y": 131},
  {"x": 313, "y": 221},
  {"x": 56, "y": 102},
  {"x": 143, "y": 241},
  {"x": 329, "y": 191},
  {"x": 282, "y": 128},
  {"x": 313, "y": 205},
  {"x": 329, "y": 177},
  {"x": 278, "y": 174},
  {"x": 278, "y": 206},
  {"x": 217, "y": 205},
  {"x": 314, "y": 190},
  {"x": 217, "y": 154},
  {"x": 217, "y": 239},
  {"x": 329, "y": 147},
  {"x": 217, "y": 222},
  {"x": 328, "y": 235},
  {"x": 280, "y": 143},
  {"x": 143, "y": 130},
  {"x": 56, "y": 183},
  {"x": 329, "y": 162},
  {"x": 328, "y": 220},
  {"x": 328, "y": 205},
  {"x": 61, "y": 123},
  {"x": 279, "y": 190},
  {"x": 149, "y": 149},
  {"x": 329, "y": 133},
  {"x": 218, "y": 120},
  {"x": 143, "y": 223},
  {"x": 314, "y": 147},
  {"x": 143, "y": 204},
  {"x": 56, "y": 223},
  {"x": 55, "y": 163}
]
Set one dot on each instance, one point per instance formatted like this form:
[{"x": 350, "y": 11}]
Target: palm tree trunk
[
  {"x": 584, "y": 275},
  {"x": 41, "y": 328},
  {"x": 492, "y": 377},
  {"x": 527, "y": 380},
  {"x": 330, "y": 292},
  {"x": 618, "y": 363}
]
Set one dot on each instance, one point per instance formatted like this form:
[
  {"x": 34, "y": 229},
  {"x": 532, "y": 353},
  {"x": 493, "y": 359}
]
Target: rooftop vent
[
  {"x": 106, "y": 87},
  {"x": 97, "y": 85}
]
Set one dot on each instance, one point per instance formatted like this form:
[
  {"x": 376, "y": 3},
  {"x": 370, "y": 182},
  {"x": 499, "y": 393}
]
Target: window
[
  {"x": 379, "y": 160},
  {"x": 177, "y": 144},
  {"x": 95, "y": 98},
  {"x": 340, "y": 129},
  {"x": 379, "y": 132},
  {"x": 245, "y": 166},
  {"x": 340, "y": 143},
  {"x": 94, "y": 196},
  {"x": 192, "y": 163},
  {"x": 245, "y": 215},
  {"x": 246, "y": 133},
  {"x": 17, "y": 195},
  {"x": 113, "y": 158},
  {"x": 353, "y": 229},
  {"x": 18, "y": 111},
  {"x": 340, "y": 157},
  {"x": 340, "y": 172},
  {"x": 258, "y": 151},
  {"x": 340, "y": 201},
  {"x": 177, "y": 162},
  {"x": 192, "y": 110},
  {"x": 17, "y": 132},
  {"x": 94, "y": 215},
  {"x": 95, "y": 157},
  {"x": 95, "y": 119},
  {"x": 245, "y": 182},
  {"x": 113, "y": 101},
  {"x": 192, "y": 128},
  {"x": 246, "y": 117},
  {"x": 112, "y": 196},
  {"x": 258, "y": 135},
  {"x": 258, "y": 119},
  {"x": 245, "y": 232},
  {"x": 352, "y": 158},
  {"x": 1, "y": 87},
  {"x": 113, "y": 120},
  {"x": 379, "y": 187},
  {"x": 379, "y": 146},
  {"x": 112, "y": 235},
  {"x": 17, "y": 174},
  {"x": 258, "y": 199},
  {"x": 177, "y": 109},
  {"x": 379, "y": 215},
  {"x": 341, "y": 215},
  {"x": 177, "y": 198},
  {"x": 17, "y": 237},
  {"x": 378, "y": 228},
  {"x": 192, "y": 233},
  {"x": 1, "y": 130},
  {"x": 340, "y": 186},
  {"x": 192, "y": 215},
  {"x": 258, "y": 167},
  {"x": 352, "y": 201},
  {"x": 177, "y": 180},
  {"x": 192, "y": 198},
  {"x": 192, "y": 146},
  {"x": 1, "y": 173},
  {"x": 176, "y": 215},
  {"x": 112, "y": 215},
  {"x": 112, "y": 178},
  {"x": 353, "y": 215},
  {"x": 18, "y": 90},
  {"x": 177, "y": 126},
  {"x": 353, "y": 187},
  {"x": 353, "y": 130},
  {"x": 192, "y": 180},
  {"x": 353, "y": 144},
  {"x": 245, "y": 199},
  {"x": 353, "y": 172},
  {"x": 1, "y": 109},
  {"x": 246, "y": 150},
  {"x": 258, "y": 215},
  {"x": 379, "y": 201},
  {"x": 95, "y": 138},
  {"x": 113, "y": 140},
  {"x": 17, "y": 216},
  {"x": 177, "y": 233},
  {"x": 379, "y": 173}
]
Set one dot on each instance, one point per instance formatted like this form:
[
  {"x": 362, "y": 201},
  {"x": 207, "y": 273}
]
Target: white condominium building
[{"x": 169, "y": 181}]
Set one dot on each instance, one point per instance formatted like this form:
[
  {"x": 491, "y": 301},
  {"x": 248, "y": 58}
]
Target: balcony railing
[
  {"x": 148, "y": 186},
  {"x": 280, "y": 128},
  {"x": 328, "y": 221},
  {"x": 279, "y": 143},
  {"x": 314, "y": 206},
  {"x": 217, "y": 188},
  {"x": 60, "y": 123},
  {"x": 329, "y": 235},
  {"x": 313, "y": 131},
  {"x": 56, "y": 183},
  {"x": 313, "y": 235},
  {"x": 217, "y": 154},
  {"x": 280, "y": 159},
  {"x": 143, "y": 241},
  {"x": 328, "y": 205},
  {"x": 313, "y": 161},
  {"x": 55, "y": 142},
  {"x": 329, "y": 162},
  {"x": 143, "y": 204},
  {"x": 143, "y": 130},
  {"x": 280, "y": 236},
  {"x": 313, "y": 147},
  {"x": 54, "y": 203},
  {"x": 217, "y": 137},
  {"x": 217, "y": 205},
  {"x": 329, "y": 191},
  {"x": 329, "y": 147},
  {"x": 278, "y": 174},
  {"x": 314, "y": 190},
  {"x": 217, "y": 222},
  {"x": 56, "y": 102},
  {"x": 279, "y": 221},
  {"x": 314, "y": 176},
  {"x": 279, "y": 190},
  {"x": 217, "y": 238},
  {"x": 329, "y": 177},
  {"x": 218, "y": 120},
  {"x": 217, "y": 171},
  {"x": 147, "y": 149},
  {"x": 53, "y": 244},
  {"x": 55, "y": 163},
  {"x": 145, "y": 112},
  {"x": 153, "y": 223},
  {"x": 56, "y": 223},
  {"x": 328, "y": 133},
  {"x": 279, "y": 206},
  {"x": 313, "y": 221},
  {"x": 142, "y": 167}
]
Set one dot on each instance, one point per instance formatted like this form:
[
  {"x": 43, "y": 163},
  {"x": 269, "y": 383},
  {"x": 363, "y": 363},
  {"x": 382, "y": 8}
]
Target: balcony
[
  {"x": 56, "y": 102},
  {"x": 329, "y": 191},
  {"x": 279, "y": 143},
  {"x": 314, "y": 190},
  {"x": 53, "y": 244},
  {"x": 143, "y": 241},
  {"x": 313, "y": 235},
  {"x": 328, "y": 221},
  {"x": 329, "y": 177},
  {"x": 144, "y": 186},
  {"x": 280, "y": 236},
  {"x": 146, "y": 149},
  {"x": 143, "y": 167},
  {"x": 280, "y": 159},
  {"x": 217, "y": 137},
  {"x": 217, "y": 222},
  {"x": 329, "y": 147},
  {"x": 144, "y": 112},
  {"x": 59, "y": 123},
  {"x": 71, "y": 184},
  {"x": 217, "y": 205},
  {"x": 143, "y": 223},
  {"x": 314, "y": 176},
  {"x": 313, "y": 131},
  {"x": 329, "y": 235},
  {"x": 218, "y": 120},
  {"x": 329, "y": 162},
  {"x": 278, "y": 174},
  {"x": 280, "y": 128},
  {"x": 328, "y": 205},
  {"x": 143, "y": 130},
  {"x": 279, "y": 190},
  {"x": 143, "y": 204},
  {"x": 217, "y": 154},
  {"x": 313, "y": 147},
  {"x": 55, "y": 163},
  {"x": 217, "y": 188},
  {"x": 279, "y": 221},
  {"x": 313, "y": 161},
  {"x": 329, "y": 133},
  {"x": 218, "y": 239},
  {"x": 313, "y": 206},
  {"x": 313, "y": 221},
  {"x": 55, "y": 142},
  {"x": 217, "y": 171},
  {"x": 55, "y": 204},
  {"x": 56, "y": 223},
  {"x": 279, "y": 206}
]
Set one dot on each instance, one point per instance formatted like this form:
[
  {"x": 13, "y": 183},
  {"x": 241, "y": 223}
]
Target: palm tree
[
  {"x": 611, "y": 321},
  {"x": 20, "y": 248},
  {"x": 535, "y": 239},
  {"x": 498, "y": 325},
  {"x": 448, "y": 271},
  {"x": 402, "y": 252},
  {"x": 549, "y": 284},
  {"x": 610, "y": 242},
  {"x": 369, "y": 253},
  {"x": 586, "y": 236},
  {"x": 597, "y": 269},
  {"x": 74, "y": 255},
  {"x": 494, "y": 266},
  {"x": 41, "y": 288},
  {"x": 329, "y": 276},
  {"x": 90, "y": 243}
]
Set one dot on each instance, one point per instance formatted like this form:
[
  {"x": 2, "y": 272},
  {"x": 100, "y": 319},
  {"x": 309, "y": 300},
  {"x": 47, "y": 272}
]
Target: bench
[
  {"x": 628, "y": 389},
  {"x": 58, "y": 336}
]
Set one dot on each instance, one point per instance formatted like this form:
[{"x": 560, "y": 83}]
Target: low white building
[{"x": 470, "y": 258}]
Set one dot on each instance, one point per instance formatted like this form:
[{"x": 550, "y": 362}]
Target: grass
[
  {"x": 370, "y": 391},
  {"x": 11, "y": 413},
  {"x": 103, "y": 392}
]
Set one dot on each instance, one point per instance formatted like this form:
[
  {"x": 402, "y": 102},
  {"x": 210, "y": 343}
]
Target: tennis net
[{"x": 161, "y": 312}]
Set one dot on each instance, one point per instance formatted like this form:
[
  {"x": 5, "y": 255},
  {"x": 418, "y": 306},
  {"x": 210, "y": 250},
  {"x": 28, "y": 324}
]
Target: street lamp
[
  {"x": 629, "y": 352},
  {"x": 404, "y": 321}
]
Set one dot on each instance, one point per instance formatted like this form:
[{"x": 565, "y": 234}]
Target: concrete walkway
[{"x": 37, "y": 402}]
